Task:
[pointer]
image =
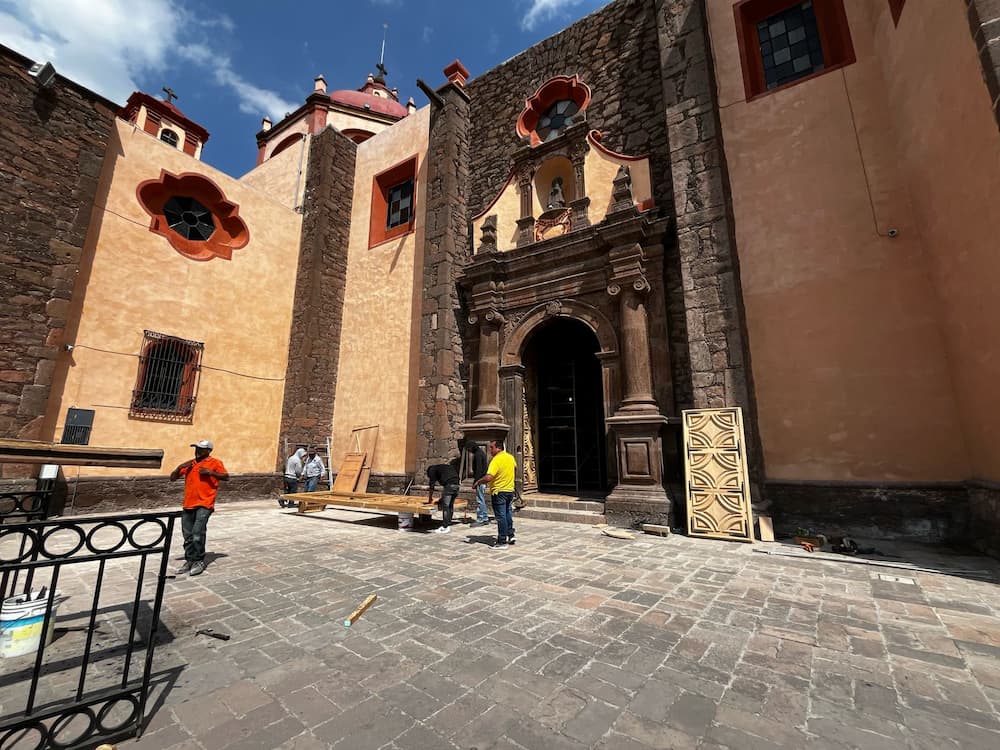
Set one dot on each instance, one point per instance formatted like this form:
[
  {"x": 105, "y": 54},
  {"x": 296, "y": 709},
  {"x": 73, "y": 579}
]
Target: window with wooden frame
[
  {"x": 896, "y": 8},
  {"x": 783, "y": 42},
  {"x": 393, "y": 202},
  {"x": 167, "y": 382}
]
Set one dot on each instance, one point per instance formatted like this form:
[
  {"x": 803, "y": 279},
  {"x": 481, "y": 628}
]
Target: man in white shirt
[
  {"x": 313, "y": 470},
  {"x": 293, "y": 472}
]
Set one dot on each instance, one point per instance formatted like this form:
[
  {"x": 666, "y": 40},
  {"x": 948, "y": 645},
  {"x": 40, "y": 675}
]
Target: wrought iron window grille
[{"x": 167, "y": 382}]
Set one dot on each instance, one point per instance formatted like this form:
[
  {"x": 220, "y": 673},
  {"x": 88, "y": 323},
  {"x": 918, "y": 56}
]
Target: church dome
[{"x": 368, "y": 102}]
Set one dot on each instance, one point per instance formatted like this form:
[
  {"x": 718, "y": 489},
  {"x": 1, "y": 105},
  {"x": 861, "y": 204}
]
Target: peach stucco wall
[
  {"x": 950, "y": 155},
  {"x": 282, "y": 177},
  {"x": 240, "y": 308},
  {"x": 847, "y": 339},
  {"x": 379, "y": 350}
]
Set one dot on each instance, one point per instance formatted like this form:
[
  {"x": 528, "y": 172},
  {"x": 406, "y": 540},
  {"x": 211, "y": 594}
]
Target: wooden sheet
[
  {"x": 368, "y": 501},
  {"x": 350, "y": 468},
  {"x": 365, "y": 440},
  {"x": 40, "y": 452}
]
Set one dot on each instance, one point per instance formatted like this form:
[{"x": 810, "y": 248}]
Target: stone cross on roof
[{"x": 170, "y": 94}]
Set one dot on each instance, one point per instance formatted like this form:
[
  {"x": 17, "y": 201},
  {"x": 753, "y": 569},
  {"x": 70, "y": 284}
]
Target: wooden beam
[{"x": 40, "y": 452}]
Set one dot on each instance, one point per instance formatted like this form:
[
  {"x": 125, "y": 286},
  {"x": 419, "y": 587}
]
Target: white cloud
[
  {"x": 106, "y": 45},
  {"x": 544, "y": 10},
  {"x": 428, "y": 31}
]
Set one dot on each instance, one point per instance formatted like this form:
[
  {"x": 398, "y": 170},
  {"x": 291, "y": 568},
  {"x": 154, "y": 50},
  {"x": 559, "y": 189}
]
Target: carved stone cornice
[{"x": 627, "y": 270}]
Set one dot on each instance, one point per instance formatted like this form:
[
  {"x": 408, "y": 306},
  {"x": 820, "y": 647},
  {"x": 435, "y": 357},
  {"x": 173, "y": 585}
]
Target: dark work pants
[
  {"x": 194, "y": 525},
  {"x": 447, "y": 503},
  {"x": 502, "y": 502}
]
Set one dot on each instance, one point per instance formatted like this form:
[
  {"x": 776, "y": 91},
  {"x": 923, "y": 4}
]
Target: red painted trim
[
  {"x": 261, "y": 149},
  {"x": 381, "y": 184},
  {"x": 162, "y": 109},
  {"x": 554, "y": 89},
  {"x": 510, "y": 179},
  {"x": 834, "y": 34},
  {"x": 231, "y": 232},
  {"x": 896, "y": 9},
  {"x": 287, "y": 143},
  {"x": 594, "y": 138},
  {"x": 357, "y": 135}
]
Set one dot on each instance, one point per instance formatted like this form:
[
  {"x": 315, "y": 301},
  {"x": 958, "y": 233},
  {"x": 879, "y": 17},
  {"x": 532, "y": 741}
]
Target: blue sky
[{"x": 233, "y": 61}]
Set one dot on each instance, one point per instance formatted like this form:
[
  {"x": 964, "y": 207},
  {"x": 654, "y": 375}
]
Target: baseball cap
[{"x": 203, "y": 444}]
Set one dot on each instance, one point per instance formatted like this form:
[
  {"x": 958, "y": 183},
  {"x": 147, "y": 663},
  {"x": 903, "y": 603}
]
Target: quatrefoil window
[{"x": 189, "y": 218}]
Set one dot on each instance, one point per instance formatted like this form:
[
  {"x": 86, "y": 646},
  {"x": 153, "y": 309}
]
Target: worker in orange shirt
[{"x": 202, "y": 475}]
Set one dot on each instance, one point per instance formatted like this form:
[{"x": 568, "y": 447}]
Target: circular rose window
[{"x": 189, "y": 218}]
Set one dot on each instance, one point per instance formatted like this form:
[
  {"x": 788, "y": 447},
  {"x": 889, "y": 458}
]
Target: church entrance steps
[{"x": 565, "y": 508}]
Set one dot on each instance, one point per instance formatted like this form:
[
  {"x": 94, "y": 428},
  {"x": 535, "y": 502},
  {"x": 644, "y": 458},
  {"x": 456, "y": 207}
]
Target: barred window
[
  {"x": 167, "y": 382},
  {"x": 169, "y": 137}
]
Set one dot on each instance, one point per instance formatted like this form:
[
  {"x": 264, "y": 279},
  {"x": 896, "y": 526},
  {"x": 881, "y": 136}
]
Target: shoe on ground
[
  {"x": 499, "y": 546},
  {"x": 511, "y": 541},
  {"x": 198, "y": 568},
  {"x": 477, "y": 524},
  {"x": 184, "y": 569},
  {"x": 441, "y": 530}
]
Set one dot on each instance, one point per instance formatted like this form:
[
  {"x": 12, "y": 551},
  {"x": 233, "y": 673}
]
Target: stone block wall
[
  {"x": 984, "y": 517},
  {"x": 317, "y": 315},
  {"x": 441, "y": 388},
  {"x": 984, "y": 23},
  {"x": 53, "y": 145}
]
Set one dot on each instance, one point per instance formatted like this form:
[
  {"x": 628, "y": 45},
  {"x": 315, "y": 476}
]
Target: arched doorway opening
[{"x": 564, "y": 442}]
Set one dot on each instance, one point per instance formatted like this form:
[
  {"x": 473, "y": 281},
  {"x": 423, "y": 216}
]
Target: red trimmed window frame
[
  {"x": 896, "y": 9},
  {"x": 834, "y": 34},
  {"x": 166, "y": 361},
  {"x": 382, "y": 183}
]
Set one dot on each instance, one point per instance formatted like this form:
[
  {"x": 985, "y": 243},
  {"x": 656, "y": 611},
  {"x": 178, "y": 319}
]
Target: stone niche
[{"x": 572, "y": 234}]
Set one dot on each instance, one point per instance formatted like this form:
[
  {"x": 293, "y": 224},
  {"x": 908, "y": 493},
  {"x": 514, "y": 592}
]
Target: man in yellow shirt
[{"x": 500, "y": 477}]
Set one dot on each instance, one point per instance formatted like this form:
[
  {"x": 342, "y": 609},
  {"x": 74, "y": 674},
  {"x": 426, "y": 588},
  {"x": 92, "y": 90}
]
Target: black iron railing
[
  {"x": 32, "y": 505},
  {"x": 81, "y": 718}
]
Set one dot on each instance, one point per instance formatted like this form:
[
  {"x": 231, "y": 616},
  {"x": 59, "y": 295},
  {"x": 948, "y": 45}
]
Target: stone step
[
  {"x": 556, "y": 514},
  {"x": 549, "y": 503}
]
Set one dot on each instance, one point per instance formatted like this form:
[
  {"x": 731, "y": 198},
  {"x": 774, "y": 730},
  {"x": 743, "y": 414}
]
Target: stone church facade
[{"x": 772, "y": 204}]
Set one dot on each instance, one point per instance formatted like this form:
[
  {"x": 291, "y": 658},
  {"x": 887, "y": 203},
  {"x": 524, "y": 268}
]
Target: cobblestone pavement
[{"x": 569, "y": 640}]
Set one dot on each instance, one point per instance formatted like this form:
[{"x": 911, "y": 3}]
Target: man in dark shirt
[
  {"x": 447, "y": 476},
  {"x": 479, "y": 464}
]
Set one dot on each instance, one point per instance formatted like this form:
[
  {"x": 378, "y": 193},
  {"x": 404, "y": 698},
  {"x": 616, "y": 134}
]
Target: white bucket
[
  {"x": 406, "y": 522},
  {"x": 21, "y": 621}
]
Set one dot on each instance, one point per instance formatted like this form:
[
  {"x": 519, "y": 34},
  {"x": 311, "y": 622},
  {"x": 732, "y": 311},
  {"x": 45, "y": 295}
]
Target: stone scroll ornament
[{"x": 718, "y": 484}]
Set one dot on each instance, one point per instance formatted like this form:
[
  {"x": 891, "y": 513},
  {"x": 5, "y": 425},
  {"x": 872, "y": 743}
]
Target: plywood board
[
  {"x": 350, "y": 468},
  {"x": 715, "y": 466},
  {"x": 766, "y": 528},
  {"x": 372, "y": 502},
  {"x": 365, "y": 440}
]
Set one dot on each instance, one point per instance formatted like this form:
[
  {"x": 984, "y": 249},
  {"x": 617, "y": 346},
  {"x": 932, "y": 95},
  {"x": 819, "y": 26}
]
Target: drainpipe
[{"x": 298, "y": 177}]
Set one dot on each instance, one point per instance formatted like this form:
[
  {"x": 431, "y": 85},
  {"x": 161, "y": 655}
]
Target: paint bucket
[
  {"x": 406, "y": 522},
  {"x": 21, "y": 621}
]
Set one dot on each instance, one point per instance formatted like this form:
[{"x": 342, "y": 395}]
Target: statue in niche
[{"x": 556, "y": 199}]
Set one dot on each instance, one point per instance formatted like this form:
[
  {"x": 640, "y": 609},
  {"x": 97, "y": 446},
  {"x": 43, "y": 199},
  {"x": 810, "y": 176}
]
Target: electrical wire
[{"x": 203, "y": 367}]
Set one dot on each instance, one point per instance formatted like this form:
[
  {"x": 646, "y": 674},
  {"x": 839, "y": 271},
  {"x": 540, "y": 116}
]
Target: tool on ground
[
  {"x": 360, "y": 610},
  {"x": 838, "y": 559},
  {"x": 617, "y": 533},
  {"x": 212, "y": 634}
]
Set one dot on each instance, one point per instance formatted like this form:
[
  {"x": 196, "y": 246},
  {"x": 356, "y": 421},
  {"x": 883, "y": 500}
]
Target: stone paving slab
[{"x": 569, "y": 640}]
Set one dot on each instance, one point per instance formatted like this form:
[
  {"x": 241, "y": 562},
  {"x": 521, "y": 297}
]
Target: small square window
[
  {"x": 393, "y": 202},
  {"x": 784, "y": 41}
]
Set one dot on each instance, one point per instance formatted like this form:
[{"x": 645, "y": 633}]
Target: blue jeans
[
  {"x": 482, "y": 514},
  {"x": 194, "y": 527},
  {"x": 502, "y": 502},
  {"x": 311, "y": 483}
]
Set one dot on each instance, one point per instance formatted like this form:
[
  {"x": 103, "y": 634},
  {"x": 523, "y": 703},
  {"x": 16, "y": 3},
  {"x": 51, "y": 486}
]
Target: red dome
[{"x": 369, "y": 102}]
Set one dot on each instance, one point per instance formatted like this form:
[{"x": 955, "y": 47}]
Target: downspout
[{"x": 298, "y": 177}]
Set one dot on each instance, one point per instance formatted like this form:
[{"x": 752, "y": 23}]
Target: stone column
[
  {"x": 512, "y": 399},
  {"x": 639, "y": 496},
  {"x": 487, "y": 386}
]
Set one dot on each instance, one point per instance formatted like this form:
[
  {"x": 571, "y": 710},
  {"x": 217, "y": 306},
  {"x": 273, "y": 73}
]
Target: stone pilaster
[
  {"x": 984, "y": 23},
  {"x": 317, "y": 314},
  {"x": 60, "y": 136},
  {"x": 441, "y": 392},
  {"x": 716, "y": 326}
]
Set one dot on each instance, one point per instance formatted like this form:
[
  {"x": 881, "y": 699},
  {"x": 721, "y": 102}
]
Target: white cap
[{"x": 203, "y": 444}]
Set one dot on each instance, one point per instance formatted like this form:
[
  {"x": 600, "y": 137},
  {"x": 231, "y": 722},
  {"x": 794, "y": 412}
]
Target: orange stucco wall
[
  {"x": 852, "y": 334},
  {"x": 283, "y": 177},
  {"x": 949, "y": 151},
  {"x": 241, "y": 310},
  {"x": 379, "y": 350}
]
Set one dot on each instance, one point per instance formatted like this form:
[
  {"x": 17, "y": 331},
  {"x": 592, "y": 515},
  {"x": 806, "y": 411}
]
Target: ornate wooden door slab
[{"x": 715, "y": 464}]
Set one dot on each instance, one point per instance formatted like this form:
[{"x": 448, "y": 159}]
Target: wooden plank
[
  {"x": 41, "y": 452},
  {"x": 365, "y": 441},
  {"x": 372, "y": 502},
  {"x": 350, "y": 468},
  {"x": 766, "y": 528}
]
